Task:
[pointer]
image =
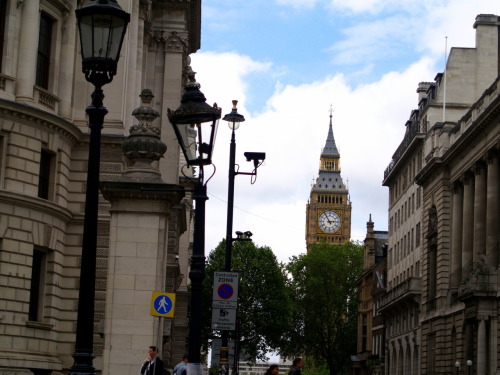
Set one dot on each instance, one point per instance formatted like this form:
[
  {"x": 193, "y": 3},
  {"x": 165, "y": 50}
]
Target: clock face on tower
[{"x": 329, "y": 221}]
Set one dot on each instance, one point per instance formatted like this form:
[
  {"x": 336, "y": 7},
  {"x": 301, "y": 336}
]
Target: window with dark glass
[
  {"x": 3, "y": 16},
  {"x": 44, "y": 46},
  {"x": 37, "y": 285},
  {"x": 44, "y": 181},
  {"x": 2, "y": 140}
]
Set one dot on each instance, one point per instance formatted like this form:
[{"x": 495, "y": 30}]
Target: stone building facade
[
  {"x": 441, "y": 318},
  {"x": 144, "y": 237},
  {"x": 370, "y": 354}
]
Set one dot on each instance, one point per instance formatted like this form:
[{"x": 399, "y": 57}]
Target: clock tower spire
[{"x": 328, "y": 212}]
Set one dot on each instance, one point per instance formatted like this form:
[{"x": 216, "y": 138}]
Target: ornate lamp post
[
  {"x": 189, "y": 122},
  {"x": 102, "y": 25},
  {"x": 457, "y": 365}
]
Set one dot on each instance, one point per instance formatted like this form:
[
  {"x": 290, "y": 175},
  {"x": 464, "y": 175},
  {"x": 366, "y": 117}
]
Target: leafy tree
[
  {"x": 323, "y": 286},
  {"x": 263, "y": 308}
]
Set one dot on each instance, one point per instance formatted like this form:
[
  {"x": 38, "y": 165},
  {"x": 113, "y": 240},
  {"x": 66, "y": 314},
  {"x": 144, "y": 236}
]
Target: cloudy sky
[{"x": 287, "y": 62}]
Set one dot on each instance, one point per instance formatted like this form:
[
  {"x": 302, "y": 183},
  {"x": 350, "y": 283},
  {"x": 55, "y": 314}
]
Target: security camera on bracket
[{"x": 256, "y": 157}]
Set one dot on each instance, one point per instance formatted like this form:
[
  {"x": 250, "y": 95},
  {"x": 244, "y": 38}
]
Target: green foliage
[
  {"x": 323, "y": 286},
  {"x": 263, "y": 299}
]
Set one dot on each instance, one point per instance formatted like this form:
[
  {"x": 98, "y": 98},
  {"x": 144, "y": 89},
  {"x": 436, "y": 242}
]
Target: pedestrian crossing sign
[{"x": 163, "y": 304}]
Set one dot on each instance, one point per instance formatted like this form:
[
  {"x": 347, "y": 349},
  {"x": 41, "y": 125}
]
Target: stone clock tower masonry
[{"x": 328, "y": 212}]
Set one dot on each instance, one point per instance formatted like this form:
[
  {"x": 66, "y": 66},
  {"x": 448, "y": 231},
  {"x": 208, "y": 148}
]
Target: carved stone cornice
[
  {"x": 36, "y": 204},
  {"x": 118, "y": 190},
  {"x": 481, "y": 115},
  {"x": 38, "y": 118},
  {"x": 62, "y": 5}
]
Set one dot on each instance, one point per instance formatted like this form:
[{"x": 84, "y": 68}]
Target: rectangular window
[
  {"x": 3, "y": 16},
  {"x": 2, "y": 158},
  {"x": 417, "y": 235},
  {"x": 38, "y": 270},
  {"x": 45, "y": 177},
  {"x": 44, "y": 48}
]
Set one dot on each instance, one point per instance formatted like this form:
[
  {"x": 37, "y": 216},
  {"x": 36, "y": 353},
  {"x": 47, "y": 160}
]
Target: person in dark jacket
[
  {"x": 152, "y": 365},
  {"x": 296, "y": 368}
]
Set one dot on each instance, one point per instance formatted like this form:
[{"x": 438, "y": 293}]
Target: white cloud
[
  {"x": 298, "y": 4},
  {"x": 368, "y": 124}
]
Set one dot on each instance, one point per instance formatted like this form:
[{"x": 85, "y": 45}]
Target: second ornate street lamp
[
  {"x": 233, "y": 119},
  {"x": 192, "y": 121},
  {"x": 457, "y": 365},
  {"x": 102, "y": 25}
]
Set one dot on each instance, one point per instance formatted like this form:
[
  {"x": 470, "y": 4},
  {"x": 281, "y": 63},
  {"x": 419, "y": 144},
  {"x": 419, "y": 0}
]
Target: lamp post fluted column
[
  {"x": 86, "y": 297},
  {"x": 102, "y": 26},
  {"x": 197, "y": 273}
]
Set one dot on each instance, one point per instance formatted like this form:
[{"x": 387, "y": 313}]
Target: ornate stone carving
[
  {"x": 176, "y": 42},
  {"x": 172, "y": 41},
  {"x": 144, "y": 7},
  {"x": 144, "y": 145}
]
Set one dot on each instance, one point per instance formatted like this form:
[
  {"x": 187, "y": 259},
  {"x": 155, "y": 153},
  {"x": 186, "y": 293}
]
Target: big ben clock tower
[{"x": 328, "y": 213}]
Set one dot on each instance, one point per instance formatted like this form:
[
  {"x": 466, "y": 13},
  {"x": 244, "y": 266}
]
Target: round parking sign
[{"x": 225, "y": 291}]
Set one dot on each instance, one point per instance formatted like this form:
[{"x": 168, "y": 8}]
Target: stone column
[
  {"x": 468, "y": 222},
  {"x": 67, "y": 65},
  {"x": 175, "y": 50},
  {"x": 481, "y": 346},
  {"x": 141, "y": 207},
  {"x": 456, "y": 234},
  {"x": 136, "y": 267},
  {"x": 479, "y": 211},
  {"x": 132, "y": 59},
  {"x": 493, "y": 353},
  {"x": 492, "y": 210},
  {"x": 28, "y": 49}
]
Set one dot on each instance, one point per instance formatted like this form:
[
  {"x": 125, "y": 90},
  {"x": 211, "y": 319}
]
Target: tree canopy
[
  {"x": 263, "y": 309},
  {"x": 322, "y": 284}
]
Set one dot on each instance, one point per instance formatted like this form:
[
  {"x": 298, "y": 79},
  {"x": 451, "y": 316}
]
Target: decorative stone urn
[{"x": 144, "y": 145}]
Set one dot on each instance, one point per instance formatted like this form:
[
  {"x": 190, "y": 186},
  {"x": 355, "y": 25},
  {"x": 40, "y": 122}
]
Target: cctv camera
[{"x": 255, "y": 156}]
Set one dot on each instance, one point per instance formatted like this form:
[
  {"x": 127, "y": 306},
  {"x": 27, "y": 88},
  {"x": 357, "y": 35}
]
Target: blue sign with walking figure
[{"x": 162, "y": 304}]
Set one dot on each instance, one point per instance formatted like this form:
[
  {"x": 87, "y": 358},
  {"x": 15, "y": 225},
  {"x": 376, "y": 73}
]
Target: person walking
[
  {"x": 152, "y": 365},
  {"x": 181, "y": 367},
  {"x": 296, "y": 368},
  {"x": 273, "y": 370}
]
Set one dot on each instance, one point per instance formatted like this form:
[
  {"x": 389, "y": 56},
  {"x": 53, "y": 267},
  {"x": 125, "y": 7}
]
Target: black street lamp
[
  {"x": 469, "y": 367},
  {"x": 234, "y": 119},
  {"x": 457, "y": 365},
  {"x": 102, "y": 25},
  {"x": 188, "y": 121}
]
